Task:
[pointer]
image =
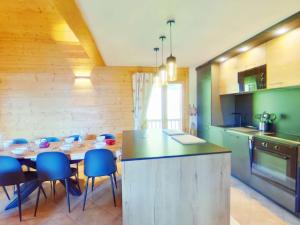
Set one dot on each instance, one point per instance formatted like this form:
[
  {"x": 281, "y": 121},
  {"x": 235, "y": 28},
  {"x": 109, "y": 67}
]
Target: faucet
[{"x": 240, "y": 117}]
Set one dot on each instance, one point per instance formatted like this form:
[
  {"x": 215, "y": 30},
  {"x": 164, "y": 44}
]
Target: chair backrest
[
  {"x": 52, "y": 139},
  {"x": 99, "y": 162},
  {"x": 52, "y": 166},
  {"x": 19, "y": 141},
  {"x": 10, "y": 171},
  {"x": 108, "y": 136},
  {"x": 75, "y": 136}
]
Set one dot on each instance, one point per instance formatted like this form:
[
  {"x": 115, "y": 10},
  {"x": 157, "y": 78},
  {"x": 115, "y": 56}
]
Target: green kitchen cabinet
[
  {"x": 240, "y": 156},
  {"x": 204, "y": 101},
  {"x": 216, "y": 135}
]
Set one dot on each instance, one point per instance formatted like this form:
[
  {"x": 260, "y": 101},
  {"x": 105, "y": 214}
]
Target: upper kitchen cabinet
[
  {"x": 230, "y": 68},
  {"x": 281, "y": 55},
  {"x": 283, "y": 60}
]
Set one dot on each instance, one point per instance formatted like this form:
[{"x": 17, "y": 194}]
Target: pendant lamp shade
[
  {"x": 163, "y": 69},
  {"x": 171, "y": 60}
]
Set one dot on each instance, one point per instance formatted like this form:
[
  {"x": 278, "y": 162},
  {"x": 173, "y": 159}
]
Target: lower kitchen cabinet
[
  {"x": 216, "y": 135},
  {"x": 240, "y": 157}
]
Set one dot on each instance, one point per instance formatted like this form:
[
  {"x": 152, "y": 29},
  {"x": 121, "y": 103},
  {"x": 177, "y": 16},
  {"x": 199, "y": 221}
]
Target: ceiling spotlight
[
  {"x": 281, "y": 31},
  {"x": 243, "y": 49},
  {"x": 222, "y": 59}
]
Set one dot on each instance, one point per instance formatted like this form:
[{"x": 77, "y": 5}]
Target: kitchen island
[{"x": 165, "y": 182}]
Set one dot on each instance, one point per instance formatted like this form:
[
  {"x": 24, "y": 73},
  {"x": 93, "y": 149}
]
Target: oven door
[{"x": 275, "y": 167}]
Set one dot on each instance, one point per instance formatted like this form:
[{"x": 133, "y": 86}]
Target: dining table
[{"x": 76, "y": 152}]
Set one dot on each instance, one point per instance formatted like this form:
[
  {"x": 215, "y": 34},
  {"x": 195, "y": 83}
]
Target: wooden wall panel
[{"x": 34, "y": 105}]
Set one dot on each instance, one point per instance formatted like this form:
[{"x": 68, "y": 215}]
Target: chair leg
[
  {"x": 78, "y": 183},
  {"x": 115, "y": 179},
  {"x": 51, "y": 187},
  {"x": 6, "y": 193},
  {"x": 85, "y": 194},
  {"x": 77, "y": 172},
  {"x": 113, "y": 189},
  {"x": 44, "y": 193},
  {"x": 19, "y": 202},
  {"x": 93, "y": 183},
  {"x": 67, "y": 191},
  {"x": 37, "y": 200},
  {"x": 54, "y": 190}
]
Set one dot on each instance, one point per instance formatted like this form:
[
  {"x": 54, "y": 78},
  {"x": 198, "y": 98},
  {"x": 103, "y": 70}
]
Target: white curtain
[{"x": 142, "y": 86}]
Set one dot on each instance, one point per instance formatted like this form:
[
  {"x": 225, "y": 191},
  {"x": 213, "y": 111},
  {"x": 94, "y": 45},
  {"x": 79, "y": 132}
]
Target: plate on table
[
  {"x": 19, "y": 150},
  {"x": 66, "y": 147}
]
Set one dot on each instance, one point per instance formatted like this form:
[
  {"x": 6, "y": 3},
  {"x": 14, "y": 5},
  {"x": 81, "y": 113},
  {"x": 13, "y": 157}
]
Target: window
[{"x": 165, "y": 107}]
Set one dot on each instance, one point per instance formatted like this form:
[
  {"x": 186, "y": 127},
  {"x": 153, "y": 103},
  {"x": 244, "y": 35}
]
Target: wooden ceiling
[{"x": 35, "y": 36}]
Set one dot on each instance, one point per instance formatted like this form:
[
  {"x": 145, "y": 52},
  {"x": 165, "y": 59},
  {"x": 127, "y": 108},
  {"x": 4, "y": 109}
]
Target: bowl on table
[
  {"x": 69, "y": 140},
  {"x": 7, "y": 144},
  {"x": 110, "y": 141},
  {"x": 99, "y": 144},
  {"x": 100, "y": 138}
]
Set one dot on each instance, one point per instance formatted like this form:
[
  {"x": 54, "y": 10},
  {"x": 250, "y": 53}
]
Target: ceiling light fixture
[
  {"x": 222, "y": 59},
  {"x": 243, "y": 49},
  {"x": 171, "y": 60},
  {"x": 281, "y": 31},
  {"x": 163, "y": 68},
  {"x": 156, "y": 75}
]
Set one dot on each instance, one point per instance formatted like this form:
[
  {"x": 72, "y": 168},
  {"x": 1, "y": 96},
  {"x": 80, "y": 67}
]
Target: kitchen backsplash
[{"x": 285, "y": 103}]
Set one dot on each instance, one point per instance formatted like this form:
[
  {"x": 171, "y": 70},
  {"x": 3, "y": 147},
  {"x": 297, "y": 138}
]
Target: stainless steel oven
[{"x": 276, "y": 163}]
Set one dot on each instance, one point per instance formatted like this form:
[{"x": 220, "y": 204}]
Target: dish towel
[{"x": 188, "y": 139}]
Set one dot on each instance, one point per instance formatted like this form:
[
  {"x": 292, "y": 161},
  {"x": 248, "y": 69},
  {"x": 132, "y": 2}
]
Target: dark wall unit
[{"x": 204, "y": 101}]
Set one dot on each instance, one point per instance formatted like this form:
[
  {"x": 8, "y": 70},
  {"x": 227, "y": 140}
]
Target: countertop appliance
[{"x": 275, "y": 165}]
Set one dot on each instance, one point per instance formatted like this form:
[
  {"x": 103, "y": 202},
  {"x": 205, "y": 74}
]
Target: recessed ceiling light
[
  {"x": 222, "y": 59},
  {"x": 243, "y": 49},
  {"x": 281, "y": 31}
]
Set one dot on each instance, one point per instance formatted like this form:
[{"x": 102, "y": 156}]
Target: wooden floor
[{"x": 247, "y": 208}]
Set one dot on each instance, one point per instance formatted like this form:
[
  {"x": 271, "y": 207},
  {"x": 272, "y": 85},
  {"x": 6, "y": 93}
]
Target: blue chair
[
  {"x": 52, "y": 139},
  {"x": 53, "y": 166},
  {"x": 6, "y": 193},
  {"x": 99, "y": 162},
  {"x": 108, "y": 136},
  {"x": 19, "y": 141},
  {"x": 11, "y": 174},
  {"x": 76, "y": 162}
]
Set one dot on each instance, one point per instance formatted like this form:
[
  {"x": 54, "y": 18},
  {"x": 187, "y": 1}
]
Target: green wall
[{"x": 285, "y": 103}]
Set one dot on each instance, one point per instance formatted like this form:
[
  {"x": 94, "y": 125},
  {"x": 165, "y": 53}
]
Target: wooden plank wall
[
  {"x": 38, "y": 104},
  {"x": 40, "y": 57}
]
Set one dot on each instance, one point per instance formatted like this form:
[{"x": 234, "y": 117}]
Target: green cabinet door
[
  {"x": 204, "y": 101},
  {"x": 216, "y": 135},
  {"x": 240, "y": 157}
]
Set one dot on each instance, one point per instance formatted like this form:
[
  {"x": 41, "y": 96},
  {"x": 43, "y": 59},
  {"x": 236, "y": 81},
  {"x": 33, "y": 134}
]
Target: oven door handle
[{"x": 282, "y": 156}]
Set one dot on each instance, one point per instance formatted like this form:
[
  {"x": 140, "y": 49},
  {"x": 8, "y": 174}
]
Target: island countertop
[{"x": 153, "y": 144}]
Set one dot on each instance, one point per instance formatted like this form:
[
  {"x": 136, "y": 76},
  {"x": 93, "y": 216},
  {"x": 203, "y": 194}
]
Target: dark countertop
[
  {"x": 153, "y": 144},
  {"x": 276, "y": 136}
]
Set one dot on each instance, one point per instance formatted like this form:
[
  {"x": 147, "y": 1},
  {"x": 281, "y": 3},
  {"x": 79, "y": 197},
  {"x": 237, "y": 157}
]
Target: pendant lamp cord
[{"x": 171, "y": 37}]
